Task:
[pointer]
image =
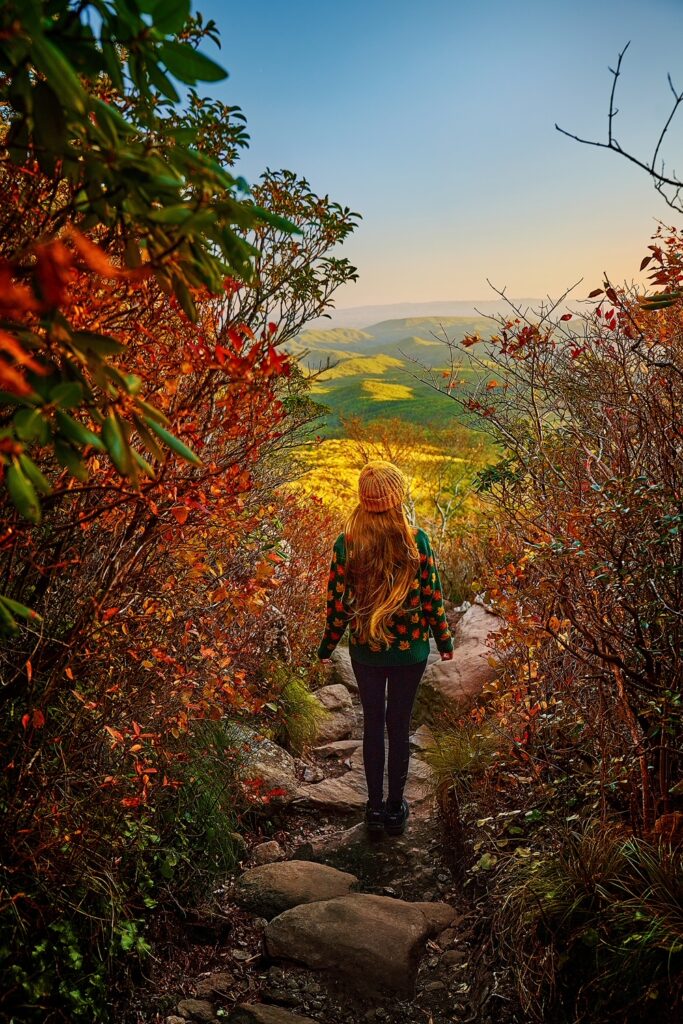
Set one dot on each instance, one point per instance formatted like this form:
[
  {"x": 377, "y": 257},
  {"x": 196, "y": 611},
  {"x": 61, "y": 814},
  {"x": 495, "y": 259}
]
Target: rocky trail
[{"x": 324, "y": 924}]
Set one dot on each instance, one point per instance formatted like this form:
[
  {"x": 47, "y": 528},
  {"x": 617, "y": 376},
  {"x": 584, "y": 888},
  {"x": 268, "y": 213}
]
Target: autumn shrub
[
  {"x": 145, "y": 422},
  {"x": 593, "y": 927},
  {"x": 586, "y": 409}
]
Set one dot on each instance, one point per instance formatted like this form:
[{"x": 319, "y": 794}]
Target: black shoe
[
  {"x": 374, "y": 818},
  {"x": 395, "y": 819}
]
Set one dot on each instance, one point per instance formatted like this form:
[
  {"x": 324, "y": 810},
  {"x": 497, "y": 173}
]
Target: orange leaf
[
  {"x": 180, "y": 515},
  {"x": 91, "y": 254}
]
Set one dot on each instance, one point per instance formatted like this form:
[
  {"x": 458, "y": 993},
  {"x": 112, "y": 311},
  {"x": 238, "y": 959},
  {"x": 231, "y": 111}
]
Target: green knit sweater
[{"x": 422, "y": 609}]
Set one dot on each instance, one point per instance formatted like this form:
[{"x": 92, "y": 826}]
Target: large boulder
[
  {"x": 265, "y": 760},
  {"x": 340, "y": 720},
  {"x": 460, "y": 681},
  {"x": 373, "y": 941},
  {"x": 342, "y": 669},
  {"x": 269, "y": 889}
]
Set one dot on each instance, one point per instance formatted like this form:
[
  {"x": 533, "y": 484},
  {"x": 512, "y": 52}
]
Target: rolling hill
[{"x": 375, "y": 372}]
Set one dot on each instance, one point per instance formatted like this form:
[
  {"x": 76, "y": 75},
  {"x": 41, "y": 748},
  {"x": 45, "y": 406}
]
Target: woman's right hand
[{"x": 447, "y": 655}]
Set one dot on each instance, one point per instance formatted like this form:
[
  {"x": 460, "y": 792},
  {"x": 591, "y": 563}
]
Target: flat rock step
[
  {"x": 348, "y": 793},
  {"x": 269, "y": 889},
  {"x": 373, "y": 941}
]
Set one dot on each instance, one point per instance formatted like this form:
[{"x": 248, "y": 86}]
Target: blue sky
[{"x": 436, "y": 123}]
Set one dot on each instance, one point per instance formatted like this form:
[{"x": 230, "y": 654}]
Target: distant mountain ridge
[{"x": 365, "y": 316}]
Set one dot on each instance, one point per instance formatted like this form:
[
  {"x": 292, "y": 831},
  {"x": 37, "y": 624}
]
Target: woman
[{"x": 384, "y": 584}]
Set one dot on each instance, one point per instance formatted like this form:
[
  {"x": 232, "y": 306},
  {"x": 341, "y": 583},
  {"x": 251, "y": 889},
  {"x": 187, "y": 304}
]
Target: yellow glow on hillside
[
  {"x": 385, "y": 391},
  {"x": 333, "y": 467}
]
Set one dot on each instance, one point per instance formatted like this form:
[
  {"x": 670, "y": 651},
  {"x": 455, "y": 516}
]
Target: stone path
[{"x": 337, "y": 926}]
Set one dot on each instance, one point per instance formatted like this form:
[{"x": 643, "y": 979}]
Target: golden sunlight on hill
[
  {"x": 330, "y": 472},
  {"x": 385, "y": 391}
]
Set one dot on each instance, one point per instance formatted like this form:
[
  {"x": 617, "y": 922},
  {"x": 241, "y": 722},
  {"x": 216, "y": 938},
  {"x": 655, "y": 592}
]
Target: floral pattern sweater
[{"x": 422, "y": 610}]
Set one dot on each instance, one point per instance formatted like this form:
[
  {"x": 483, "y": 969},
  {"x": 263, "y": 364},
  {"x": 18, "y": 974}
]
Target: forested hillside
[{"x": 378, "y": 372}]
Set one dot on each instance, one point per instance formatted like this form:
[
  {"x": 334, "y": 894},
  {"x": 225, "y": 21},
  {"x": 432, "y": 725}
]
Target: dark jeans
[{"x": 403, "y": 681}]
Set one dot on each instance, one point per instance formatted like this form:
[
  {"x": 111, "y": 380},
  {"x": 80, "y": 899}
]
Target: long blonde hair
[{"x": 382, "y": 560}]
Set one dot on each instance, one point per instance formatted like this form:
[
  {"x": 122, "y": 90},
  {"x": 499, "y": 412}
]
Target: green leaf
[
  {"x": 172, "y": 16},
  {"x": 69, "y": 458},
  {"x": 7, "y": 398},
  {"x": 77, "y": 432},
  {"x": 59, "y": 73},
  {"x": 152, "y": 411},
  {"x": 40, "y": 482},
  {"x": 172, "y": 214},
  {"x": 19, "y": 609},
  {"x": 177, "y": 446},
  {"x": 190, "y": 66},
  {"x": 22, "y": 493},
  {"x": 162, "y": 82},
  {"x": 143, "y": 464},
  {"x": 49, "y": 126},
  {"x": 30, "y": 425},
  {"x": 147, "y": 439},
  {"x": 115, "y": 440},
  {"x": 101, "y": 344},
  {"x": 8, "y": 624},
  {"x": 67, "y": 395},
  {"x": 184, "y": 296}
]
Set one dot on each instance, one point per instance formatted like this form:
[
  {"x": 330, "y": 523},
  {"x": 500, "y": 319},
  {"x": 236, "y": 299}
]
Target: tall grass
[
  {"x": 594, "y": 931},
  {"x": 297, "y": 714}
]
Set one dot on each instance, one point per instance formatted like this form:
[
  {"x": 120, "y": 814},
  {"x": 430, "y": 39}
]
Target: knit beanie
[{"x": 381, "y": 486}]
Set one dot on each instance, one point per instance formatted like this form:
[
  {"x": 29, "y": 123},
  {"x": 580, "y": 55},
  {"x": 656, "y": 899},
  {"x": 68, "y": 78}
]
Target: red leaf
[
  {"x": 596, "y": 291},
  {"x": 644, "y": 262},
  {"x": 131, "y": 801},
  {"x": 567, "y": 316},
  {"x": 38, "y": 718},
  {"x": 25, "y": 719},
  {"x": 53, "y": 271}
]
